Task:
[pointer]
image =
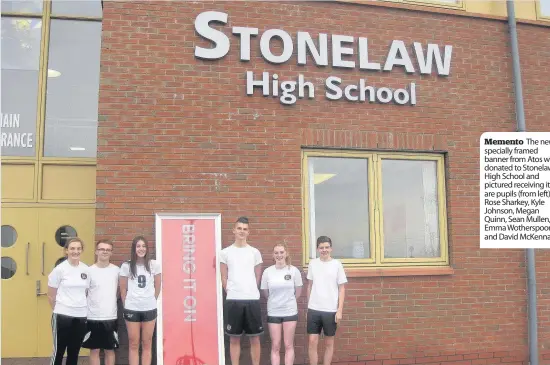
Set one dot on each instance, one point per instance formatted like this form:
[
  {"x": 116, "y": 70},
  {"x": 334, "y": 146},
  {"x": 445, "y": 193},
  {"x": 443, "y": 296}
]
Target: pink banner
[{"x": 192, "y": 322}]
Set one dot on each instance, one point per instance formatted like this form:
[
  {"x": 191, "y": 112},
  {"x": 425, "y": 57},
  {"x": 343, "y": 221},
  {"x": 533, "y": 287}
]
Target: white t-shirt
[
  {"x": 326, "y": 276},
  {"x": 102, "y": 293},
  {"x": 241, "y": 278},
  {"x": 71, "y": 283},
  {"x": 281, "y": 284},
  {"x": 141, "y": 289}
]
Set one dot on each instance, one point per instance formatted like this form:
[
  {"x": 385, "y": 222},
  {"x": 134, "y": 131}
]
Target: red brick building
[{"x": 178, "y": 133}]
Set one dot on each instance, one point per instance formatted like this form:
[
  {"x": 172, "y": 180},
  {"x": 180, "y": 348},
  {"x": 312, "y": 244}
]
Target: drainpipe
[{"x": 530, "y": 252}]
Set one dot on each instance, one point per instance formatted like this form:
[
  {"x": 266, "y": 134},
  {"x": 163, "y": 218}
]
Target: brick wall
[{"x": 177, "y": 134}]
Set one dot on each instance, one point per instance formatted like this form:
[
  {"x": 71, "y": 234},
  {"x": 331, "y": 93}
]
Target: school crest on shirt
[
  {"x": 83, "y": 276},
  {"x": 288, "y": 277}
]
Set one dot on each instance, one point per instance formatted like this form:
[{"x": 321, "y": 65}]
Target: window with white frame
[{"x": 380, "y": 209}]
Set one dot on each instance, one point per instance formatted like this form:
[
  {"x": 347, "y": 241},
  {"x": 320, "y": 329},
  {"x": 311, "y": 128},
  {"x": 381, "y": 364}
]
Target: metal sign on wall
[
  {"x": 190, "y": 324},
  {"x": 345, "y": 51}
]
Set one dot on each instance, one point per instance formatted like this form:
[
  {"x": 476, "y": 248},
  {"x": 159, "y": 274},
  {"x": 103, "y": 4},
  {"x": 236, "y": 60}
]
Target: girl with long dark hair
[{"x": 140, "y": 283}]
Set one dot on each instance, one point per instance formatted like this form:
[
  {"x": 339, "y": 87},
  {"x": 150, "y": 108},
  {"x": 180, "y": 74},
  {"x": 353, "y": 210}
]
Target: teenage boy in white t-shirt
[
  {"x": 102, "y": 306},
  {"x": 325, "y": 293},
  {"x": 241, "y": 268}
]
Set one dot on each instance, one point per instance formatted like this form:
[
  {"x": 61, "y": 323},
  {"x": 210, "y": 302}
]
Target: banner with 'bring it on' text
[{"x": 190, "y": 313}]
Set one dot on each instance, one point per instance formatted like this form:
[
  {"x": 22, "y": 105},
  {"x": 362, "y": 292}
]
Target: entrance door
[
  {"x": 32, "y": 243},
  {"x": 55, "y": 227},
  {"x": 19, "y": 272}
]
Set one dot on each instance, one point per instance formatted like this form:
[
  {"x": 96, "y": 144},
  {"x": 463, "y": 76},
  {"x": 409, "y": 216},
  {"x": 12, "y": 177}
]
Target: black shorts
[
  {"x": 140, "y": 316},
  {"x": 101, "y": 335},
  {"x": 317, "y": 320},
  {"x": 243, "y": 316},
  {"x": 272, "y": 319}
]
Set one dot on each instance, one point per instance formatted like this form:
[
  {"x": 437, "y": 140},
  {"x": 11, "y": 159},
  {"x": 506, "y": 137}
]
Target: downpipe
[{"x": 530, "y": 252}]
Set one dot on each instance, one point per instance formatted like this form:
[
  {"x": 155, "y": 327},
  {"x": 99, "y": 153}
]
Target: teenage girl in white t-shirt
[
  {"x": 140, "y": 283},
  {"x": 282, "y": 286},
  {"x": 67, "y": 285}
]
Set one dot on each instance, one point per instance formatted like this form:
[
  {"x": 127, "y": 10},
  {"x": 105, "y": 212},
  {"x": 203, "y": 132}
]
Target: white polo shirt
[
  {"x": 71, "y": 283},
  {"x": 326, "y": 276},
  {"x": 102, "y": 295},
  {"x": 241, "y": 277},
  {"x": 141, "y": 289}
]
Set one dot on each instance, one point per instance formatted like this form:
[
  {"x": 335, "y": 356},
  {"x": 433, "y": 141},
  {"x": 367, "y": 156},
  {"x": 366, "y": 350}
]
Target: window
[
  {"x": 22, "y": 6},
  {"x": 50, "y": 79},
  {"x": 380, "y": 209},
  {"x": 20, "y": 62},
  {"x": 458, "y": 4},
  {"x": 543, "y": 9},
  {"x": 73, "y": 92},
  {"x": 453, "y": 4},
  {"x": 78, "y": 8}
]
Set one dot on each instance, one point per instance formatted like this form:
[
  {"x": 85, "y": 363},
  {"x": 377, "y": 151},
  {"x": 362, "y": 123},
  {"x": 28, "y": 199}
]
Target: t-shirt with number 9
[{"x": 141, "y": 288}]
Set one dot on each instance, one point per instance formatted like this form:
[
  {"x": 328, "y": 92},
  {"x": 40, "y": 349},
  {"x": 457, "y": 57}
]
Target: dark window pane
[
  {"x": 9, "y": 236},
  {"x": 72, "y": 96},
  {"x": 20, "y": 61},
  {"x": 339, "y": 205},
  {"x": 9, "y": 267},
  {"x": 64, "y": 234},
  {"x": 410, "y": 209}
]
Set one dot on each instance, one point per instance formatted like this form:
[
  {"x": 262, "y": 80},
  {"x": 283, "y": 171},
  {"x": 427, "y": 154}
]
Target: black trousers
[{"x": 68, "y": 333}]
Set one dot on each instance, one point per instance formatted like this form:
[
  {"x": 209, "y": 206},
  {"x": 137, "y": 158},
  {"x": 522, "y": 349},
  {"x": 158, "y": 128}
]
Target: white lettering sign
[
  {"x": 345, "y": 51},
  {"x": 189, "y": 266},
  {"x": 14, "y": 139},
  {"x": 11, "y": 120}
]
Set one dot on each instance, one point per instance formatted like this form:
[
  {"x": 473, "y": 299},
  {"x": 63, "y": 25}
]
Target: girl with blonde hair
[{"x": 282, "y": 285}]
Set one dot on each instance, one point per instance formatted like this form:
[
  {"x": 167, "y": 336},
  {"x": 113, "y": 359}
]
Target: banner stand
[{"x": 190, "y": 307}]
